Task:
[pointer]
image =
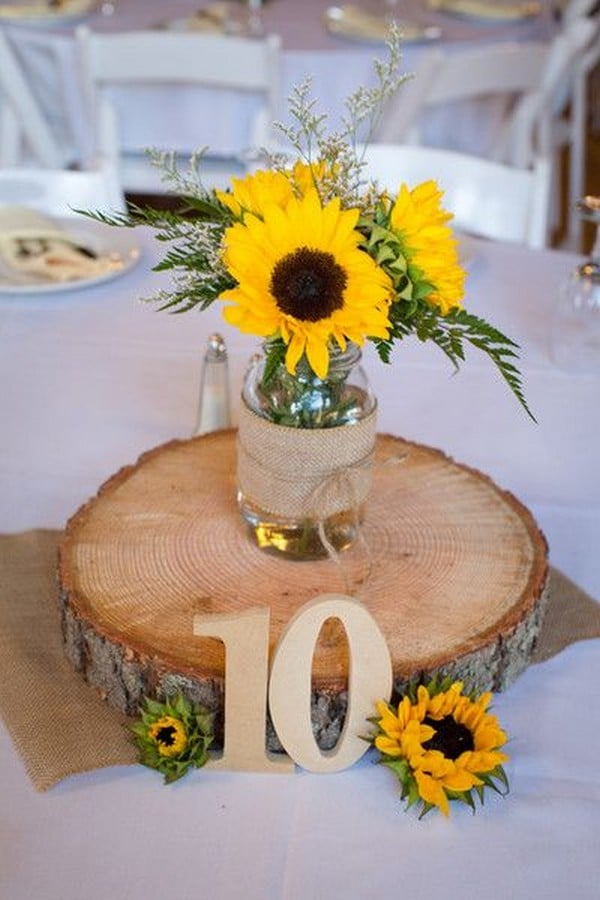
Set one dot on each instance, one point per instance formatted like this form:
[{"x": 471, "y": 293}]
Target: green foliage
[
  {"x": 412, "y": 314},
  {"x": 450, "y": 333},
  {"x": 194, "y": 231}
]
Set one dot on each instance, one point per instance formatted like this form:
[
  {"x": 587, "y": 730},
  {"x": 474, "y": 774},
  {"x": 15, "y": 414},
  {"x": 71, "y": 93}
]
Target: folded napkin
[
  {"x": 60, "y": 726},
  {"x": 352, "y": 22},
  {"x": 35, "y": 245},
  {"x": 212, "y": 19},
  {"x": 32, "y": 9},
  {"x": 489, "y": 9}
]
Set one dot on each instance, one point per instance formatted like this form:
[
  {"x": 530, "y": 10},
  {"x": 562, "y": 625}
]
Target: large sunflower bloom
[
  {"x": 449, "y": 742},
  {"x": 300, "y": 273},
  {"x": 420, "y": 221}
]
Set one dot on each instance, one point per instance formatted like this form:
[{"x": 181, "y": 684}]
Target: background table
[
  {"x": 194, "y": 118},
  {"x": 90, "y": 379}
]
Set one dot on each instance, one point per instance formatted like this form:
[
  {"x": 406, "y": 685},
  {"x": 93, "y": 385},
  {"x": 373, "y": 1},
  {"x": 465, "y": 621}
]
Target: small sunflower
[
  {"x": 172, "y": 736},
  {"x": 441, "y": 744},
  {"x": 420, "y": 221},
  {"x": 253, "y": 193},
  {"x": 168, "y": 733},
  {"x": 306, "y": 177},
  {"x": 265, "y": 187},
  {"x": 301, "y": 274}
]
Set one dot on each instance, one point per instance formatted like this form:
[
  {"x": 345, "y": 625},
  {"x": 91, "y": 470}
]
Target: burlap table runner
[{"x": 61, "y": 727}]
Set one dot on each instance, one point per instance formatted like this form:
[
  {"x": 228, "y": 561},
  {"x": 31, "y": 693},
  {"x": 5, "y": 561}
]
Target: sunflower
[
  {"x": 441, "y": 744},
  {"x": 172, "y": 736},
  {"x": 267, "y": 186},
  {"x": 252, "y": 193},
  {"x": 168, "y": 733},
  {"x": 420, "y": 221},
  {"x": 307, "y": 177},
  {"x": 301, "y": 274}
]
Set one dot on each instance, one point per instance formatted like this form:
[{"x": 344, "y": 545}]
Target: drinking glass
[
  {"x": 390, "y": 10},
  {"x": 256, "y": 26},
  {"x": 575, "y": 324}
]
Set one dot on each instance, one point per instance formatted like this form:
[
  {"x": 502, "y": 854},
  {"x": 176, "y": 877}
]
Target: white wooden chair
[
  {"x": 559, "y": 109},
  {"x": 487, "y": 198},
  {"x": 538, "y": 81},
  {"x": 249, "y": 66},
  {"x": 59, "y": 191},
  {"x": 25, "y": 135},
  {"x": 503, "y": 71},
  {"x": 576, "y": 9}
]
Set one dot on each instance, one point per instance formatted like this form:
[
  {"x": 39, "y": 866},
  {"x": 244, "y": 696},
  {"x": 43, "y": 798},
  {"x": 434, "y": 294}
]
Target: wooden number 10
[{"x": 246, "y": 639}]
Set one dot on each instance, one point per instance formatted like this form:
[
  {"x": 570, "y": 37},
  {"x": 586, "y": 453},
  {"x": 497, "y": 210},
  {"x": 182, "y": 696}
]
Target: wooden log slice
[{"x": 452, "y": 568}]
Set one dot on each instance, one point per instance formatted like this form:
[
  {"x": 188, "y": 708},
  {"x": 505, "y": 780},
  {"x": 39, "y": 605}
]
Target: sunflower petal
[{"x": 432, "y": 791}]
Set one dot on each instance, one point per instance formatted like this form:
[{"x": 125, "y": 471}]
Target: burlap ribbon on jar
[{"x": 304, "y": 472}]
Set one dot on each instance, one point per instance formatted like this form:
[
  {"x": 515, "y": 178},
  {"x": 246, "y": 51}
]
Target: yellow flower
[
  {"x": 307, "y": 177},
  {"x": 447, "y": 739},
  {"x": 300, "y": 273},
  {"x": 420, "y": 221},
  {"x": 265, "y": 187},
  {"x": 173, "y": 735},
  {"x": 169, "y": 735},
  {"x": 254, "y": 192}
]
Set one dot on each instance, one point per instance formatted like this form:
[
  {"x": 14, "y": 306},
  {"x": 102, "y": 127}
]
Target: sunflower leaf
[
  {"x": 463, "y": 797},
  {"x": 413, "y": 793},
  {"x": 480, "y": 788},
  {"x": 154, "y": 708},
  {"x": 427, "y": 807},
  {"x": 275, "y": 357},
  {"x": 399, "y": 767}
]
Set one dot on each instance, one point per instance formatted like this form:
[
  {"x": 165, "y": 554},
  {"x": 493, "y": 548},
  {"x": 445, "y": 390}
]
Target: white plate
[
  {"x": 489, "y": 10},
  {"x": 41, "y": 14},
  {"x": 352, "y": 22},
  {"x": 118, "y": 245}
]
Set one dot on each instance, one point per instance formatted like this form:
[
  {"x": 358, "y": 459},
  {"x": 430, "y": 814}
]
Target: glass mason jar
[{"x": 306, "y": 403}]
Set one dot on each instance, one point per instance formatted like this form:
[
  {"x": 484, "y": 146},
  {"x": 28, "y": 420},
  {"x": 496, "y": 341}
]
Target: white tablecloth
[{"x": 91, "y": 378}]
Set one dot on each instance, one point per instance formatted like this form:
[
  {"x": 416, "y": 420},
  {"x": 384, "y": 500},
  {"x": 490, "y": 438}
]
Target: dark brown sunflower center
[
  {"x": 450, "y": 738},
  {"x": 308, "y": 284},
  {"x": 166, "y": 736}
]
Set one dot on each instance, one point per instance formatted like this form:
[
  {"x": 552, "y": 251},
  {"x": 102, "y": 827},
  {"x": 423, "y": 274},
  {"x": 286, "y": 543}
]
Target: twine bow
[{"x": 339, "y": 480}]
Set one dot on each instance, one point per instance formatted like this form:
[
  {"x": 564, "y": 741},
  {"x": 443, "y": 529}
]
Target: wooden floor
[
  {"x": 592, "y": 180},
  {"x": 591, "y": 186}
]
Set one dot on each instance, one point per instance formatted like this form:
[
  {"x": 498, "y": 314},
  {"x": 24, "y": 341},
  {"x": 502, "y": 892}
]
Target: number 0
[{"x": 370, "y": 679}]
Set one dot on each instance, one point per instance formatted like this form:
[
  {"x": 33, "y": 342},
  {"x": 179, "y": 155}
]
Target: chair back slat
[
  {"x": 219, "y": 63},
  {"x": 21, "y": 120},
  {"x": 488, "y": 199}
]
